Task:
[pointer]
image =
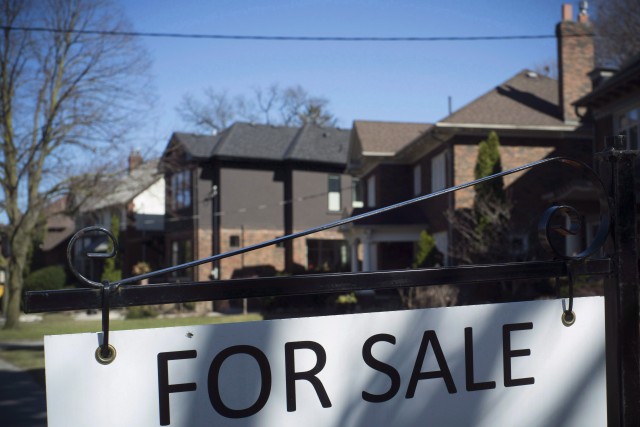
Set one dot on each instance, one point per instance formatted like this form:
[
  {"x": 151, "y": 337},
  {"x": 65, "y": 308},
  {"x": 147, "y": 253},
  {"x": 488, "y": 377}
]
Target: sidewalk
[{"x": 22, "y": 400}]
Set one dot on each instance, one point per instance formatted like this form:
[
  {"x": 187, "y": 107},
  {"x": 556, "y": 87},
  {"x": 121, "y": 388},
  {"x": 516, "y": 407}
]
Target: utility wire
[
  {"x": 278, "y": 38},
  {"x": 263, "y": 207}
]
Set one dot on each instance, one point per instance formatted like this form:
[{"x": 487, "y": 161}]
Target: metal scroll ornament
[
  {"x": 80, "y": 234},
  {"x": 547, "y": 226}
]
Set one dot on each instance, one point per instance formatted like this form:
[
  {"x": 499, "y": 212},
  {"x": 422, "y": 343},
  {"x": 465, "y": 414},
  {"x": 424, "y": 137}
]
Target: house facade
[
  {"x": 534, "y": 118},
  {"x": 253, "y": 183}
]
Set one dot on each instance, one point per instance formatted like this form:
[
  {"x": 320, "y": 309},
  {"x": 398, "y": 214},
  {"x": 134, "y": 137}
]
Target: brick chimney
[
  {"x": 135, "y": 160},
  {"x": 575, "y": 59}
]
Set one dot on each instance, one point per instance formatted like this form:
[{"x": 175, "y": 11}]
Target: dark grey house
[{"x": 252, "y": 183}]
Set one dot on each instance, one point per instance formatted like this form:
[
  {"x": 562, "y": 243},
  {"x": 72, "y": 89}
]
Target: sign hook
[
  {"x": 568, "y": 315},
  {"x": 105, "y": 353}
]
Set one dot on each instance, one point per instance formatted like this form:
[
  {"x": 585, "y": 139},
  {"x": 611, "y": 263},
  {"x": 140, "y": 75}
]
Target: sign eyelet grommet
[
  {"x": 568, "y": 318},
  {"x": 108, "y": 358}
]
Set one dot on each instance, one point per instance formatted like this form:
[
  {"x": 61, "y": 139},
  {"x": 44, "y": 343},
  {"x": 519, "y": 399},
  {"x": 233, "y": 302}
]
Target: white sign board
[{"x": 489, "y": 365}]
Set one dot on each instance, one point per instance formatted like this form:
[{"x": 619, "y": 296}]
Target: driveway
[{"x": 22, "y": 399}]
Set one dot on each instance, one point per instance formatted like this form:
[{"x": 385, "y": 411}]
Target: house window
[
  {"x": 371, "y": 191},
  {"x": 357, "y": 199},
  {"x": 417, "y": 180},
  {"x": 181, "y": 189},
  {"x": 334, "y": 193},
  {"x": 628, "y": 124},
  {"x": 327, "y": 255},
  {"x": 438, "y": 172},
  {"x": 234, "y": 241},
  {"x": 181, "y": 252}
]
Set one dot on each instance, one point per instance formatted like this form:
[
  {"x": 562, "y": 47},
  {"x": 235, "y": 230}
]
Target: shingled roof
[
  {"x": 247, "y": 141},
  {"x": 386, "y": 138},
  {"x": 196, "y": 145},
  {"x": 122, "y": 189},
  {"x": 528, "y": 99}
]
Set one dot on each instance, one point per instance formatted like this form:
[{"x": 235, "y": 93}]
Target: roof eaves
[
  {"x": 567, "y": 127},
  {"x": 378, "y": 153}
]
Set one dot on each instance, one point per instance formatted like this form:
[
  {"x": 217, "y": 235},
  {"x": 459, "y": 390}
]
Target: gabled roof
[
  {"x": 247, "y": 141},
  {"x": 198, "y": 146},
  {"x": 527, "y": 100},
  {"x": 386, "y": 138},
  {"x": 122, "y": 189}
]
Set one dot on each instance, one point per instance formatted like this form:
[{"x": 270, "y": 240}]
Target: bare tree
[
  {"x": 215, "y": 113},
  {"x": 267, "y": 100},
  {"x": 616, "y": 24},
  {"x": 66, "y": 93},
  {"x": 291, "y": 106},
  {"x": 297, "y": 108}
]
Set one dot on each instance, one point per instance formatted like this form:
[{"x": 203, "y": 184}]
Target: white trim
[
  {"x": 378, "y": 153},
  {"x": 502, "y": 126}
]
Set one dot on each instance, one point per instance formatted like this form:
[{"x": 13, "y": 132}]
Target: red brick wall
[
  {"x": 465, "y": 157},
  {"x": 575, "y": 61},
  {"x": 270, "y": 255}
]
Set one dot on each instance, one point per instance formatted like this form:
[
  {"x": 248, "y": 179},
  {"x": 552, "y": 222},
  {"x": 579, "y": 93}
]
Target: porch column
[{"x": 369, "y": 261}]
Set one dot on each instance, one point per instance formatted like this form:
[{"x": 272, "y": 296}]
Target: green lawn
[{"x": 55, "y": 323}]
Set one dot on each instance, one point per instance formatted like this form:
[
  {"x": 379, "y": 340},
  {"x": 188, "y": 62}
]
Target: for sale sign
[{"x": 487, "y": 365}]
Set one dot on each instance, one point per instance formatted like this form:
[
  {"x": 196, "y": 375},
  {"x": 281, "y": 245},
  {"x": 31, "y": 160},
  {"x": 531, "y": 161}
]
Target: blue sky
[{"x": 395, "y": 81}]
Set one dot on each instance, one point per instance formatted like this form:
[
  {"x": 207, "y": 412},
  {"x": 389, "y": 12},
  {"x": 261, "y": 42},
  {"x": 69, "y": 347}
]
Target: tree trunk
[
  {"x": 14, "y": 293},
  {"x": 16, "y": 264}
]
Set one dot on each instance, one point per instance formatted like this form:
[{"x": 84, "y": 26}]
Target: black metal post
[
  {"x": 622, "y": 308},
  {"x": 288, "y": 218}
]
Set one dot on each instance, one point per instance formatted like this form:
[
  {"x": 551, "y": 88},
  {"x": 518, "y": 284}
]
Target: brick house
[
  {"x": 136, "y": 198},
  {"x": 534, "y": 118},
  {"x": 252, "y": 183}
]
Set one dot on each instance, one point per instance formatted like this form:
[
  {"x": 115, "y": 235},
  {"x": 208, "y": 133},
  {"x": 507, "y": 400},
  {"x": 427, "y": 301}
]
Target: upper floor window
[
  {"x": 371, "y": 191},
  {"x": 417, "y": 180},
  {"x": 334, "y": 193},
  {"x": 357, "y": 199},
  {"x": 628, "y": 124},
  {"x": 181, "y": 189},
  {"x": 438, "y": 172}
]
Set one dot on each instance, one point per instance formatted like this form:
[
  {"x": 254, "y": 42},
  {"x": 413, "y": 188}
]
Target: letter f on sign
[{"x": 164, "y": 388}]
